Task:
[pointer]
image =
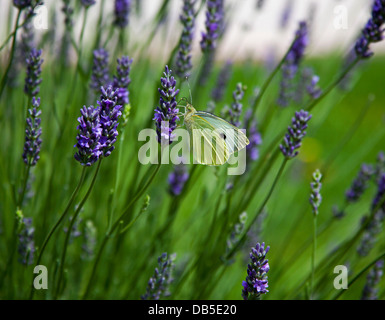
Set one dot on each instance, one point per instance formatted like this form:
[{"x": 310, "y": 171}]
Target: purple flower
[
  {"x": 122, "y": 11},
  {"x": 100, "y": 73},
  {"x": 286, "y": 14},
  {"x": 89, "y": 242},
  {"x": 109, "y": 113},
  {"x": 26, "y": 241},
  {"x": 167, "y": 109},
  {"x": 21, "y": 4},
  {"x": 183, "y": 60},
  {"x": 380, "y": 165},
  {"x": 308, "y": 83},
  {"x": 236, "y": 107},
  {"x": 214, "y": 25},
  {"x": 255, "y": 138},
  {"x": 370, "y": 291},
  {"x": 122, "y": 80},
  {"x": 256, "y": 280},
  {"x": 296, "y": 132},
  {"x": 90, "y": 131},
  {"x": 158, "y": 284},
  {"x": 315, "y": 195},
  {"x": 33, "y": 78},
  {"x": 291, "y": 64},
  {"x": 32, "y": 134},
  {"x": 222, "y": 80},
  {"x": 374, "y": 226},
  {"x": 87, "y": 3},
  {"x": 177, "y": 179},
  {"x": 360, "y": 183},
  {"x": 372, "y": 31}
]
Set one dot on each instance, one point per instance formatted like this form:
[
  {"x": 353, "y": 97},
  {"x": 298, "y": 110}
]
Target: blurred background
[{"x": 256, "y": 29}]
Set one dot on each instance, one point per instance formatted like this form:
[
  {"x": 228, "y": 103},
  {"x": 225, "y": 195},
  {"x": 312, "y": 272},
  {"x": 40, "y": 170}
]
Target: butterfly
[{"x": 214, "y": 140}]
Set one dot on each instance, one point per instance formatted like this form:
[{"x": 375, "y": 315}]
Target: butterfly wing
[
  {"x": 209, "y": 146},
  {"x": 235, "y": 139}
]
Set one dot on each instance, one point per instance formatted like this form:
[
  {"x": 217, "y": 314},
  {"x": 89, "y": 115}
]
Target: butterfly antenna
[{"x": 189, "y": 89}]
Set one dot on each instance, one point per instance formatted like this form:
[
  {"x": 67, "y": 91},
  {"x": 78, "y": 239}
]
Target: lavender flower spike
[
  {"x": 373, "y": 31},
  {"x": 315, "y": 195},
  {"x": 256, "y": 281},
  {"x": 296, "y": 132},
  {"x": 162, "y": 278},
  {"x": 21, "y": 4},
  {"x": 291, "y": 64},
  {"x": 110, "y": 113},
  {"x": 236, "y": 107},
  {"x": 88, "y": 3},
  {"x": 33, "y": 78},
  {"x": 360, "y": 183},
  {"x": 122, "y": 80},
  {"x": 122, "y": 11},
  {"x": 32, "y": 134},
  {"x": 187, "y": 18},
  {"x": 88, "y": 137},
  {"x": 100, "y": 76},
  {"x": 222, "y": 80},
  {"x": 373, "y": 279},
  {"x": 255, "y": 138},
  {"x": 177, "y": 179},
  {"x": 214, "y": 25},
  {"x": 26, "y": 241},
  {"x": 374, "y": 227},
  {"x": 167, "y": 109}
]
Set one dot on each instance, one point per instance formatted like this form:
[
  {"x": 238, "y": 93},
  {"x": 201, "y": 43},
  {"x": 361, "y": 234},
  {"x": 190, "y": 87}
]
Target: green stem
[
  {"x": 5, "y": 76},
  {"x": 313, "y": 255},
  {"x": 314, "y": 102},
  {"x": 80, "y": 206},
  {"x": 113, "y": 228},
  {"x": 44, "y": 245},
  {"x": 270, "y": 78},
  {"x": 262, "y": 206},
  {"x": 26, "y": 177}
]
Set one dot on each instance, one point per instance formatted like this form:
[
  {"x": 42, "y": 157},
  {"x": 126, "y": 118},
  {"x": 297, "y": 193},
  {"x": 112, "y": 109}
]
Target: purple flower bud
[
  {"x": 373, "y": 31},
  {"x": 291, "y": 64},
  {"x": 256, "y": 280},
  {"x": 26, "y": 242},
  {"x": 177, "y": 179},
  {"x": 88, "y": 3},
  {"x": 122, "y": 11},
  {"x": 110, "y": 113},
  {"x": 360, "y": 183},
  {"x": 374, "y": 227},
  {"x": 122, "y": 80},
  {"x": 373, "y": 279},
  {"x": 21, "y": 4},
  {"x": 235, "y": 111},
  {"x": 315, "y": 195},
  {"x": 158, "y": 284},
  {"x": 296, "y": 132},
  {"x": 214, "y": 25},
  {"x": 90, "y": 131},
  {"x": 222, "y": 80},
  {"x": 187, "y": 18},
  {"x": 100, "y": 73},
  {"x": 33, "y": 78},
  {"x": 32, "y": 134},
  {"x": 255, "y": 138},
  {"x": 167, "y": 109}
]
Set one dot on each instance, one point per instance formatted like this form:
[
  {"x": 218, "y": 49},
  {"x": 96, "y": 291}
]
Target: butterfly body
[{"x": 213, "y": 139}]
